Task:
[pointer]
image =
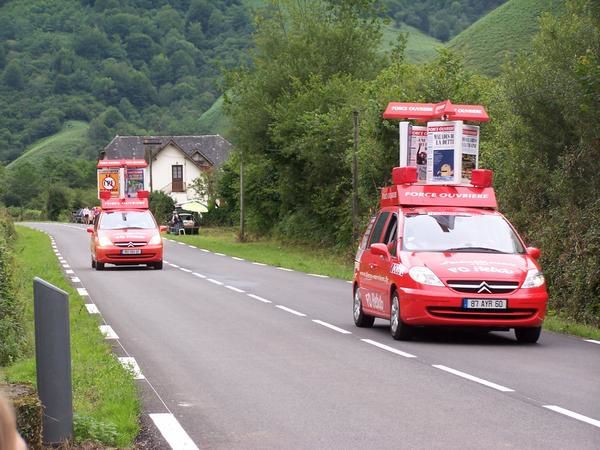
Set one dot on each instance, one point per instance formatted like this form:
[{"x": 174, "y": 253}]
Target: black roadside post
[
  {"x": 355, "y": 181},
  {"x": 53, "y": 361}
]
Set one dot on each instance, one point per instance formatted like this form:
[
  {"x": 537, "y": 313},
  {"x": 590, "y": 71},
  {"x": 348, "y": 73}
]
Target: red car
[
  {"x": 444, "y": 256},
  {"x": 126, "y": 233}
]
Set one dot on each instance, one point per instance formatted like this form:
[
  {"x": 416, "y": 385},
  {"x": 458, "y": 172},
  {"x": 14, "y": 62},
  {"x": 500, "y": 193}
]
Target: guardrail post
[{"x": 53, "y": 360}]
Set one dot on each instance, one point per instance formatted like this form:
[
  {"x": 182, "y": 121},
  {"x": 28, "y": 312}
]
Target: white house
[{"x": 174, "y": 162}]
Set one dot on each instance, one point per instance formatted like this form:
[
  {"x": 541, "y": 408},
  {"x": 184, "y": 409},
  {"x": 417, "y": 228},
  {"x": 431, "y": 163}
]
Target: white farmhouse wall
[{"x": 162, "y": 173}]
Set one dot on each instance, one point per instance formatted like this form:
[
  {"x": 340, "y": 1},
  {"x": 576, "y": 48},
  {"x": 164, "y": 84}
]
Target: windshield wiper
[{"x": 474, "y": 250}]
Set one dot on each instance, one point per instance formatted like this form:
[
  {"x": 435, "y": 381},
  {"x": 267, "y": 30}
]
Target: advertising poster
[
  {"x": 444, "y": 152},
  {"x": 413, "y": 148},
  {"x": 470, "y": 151},
  {"x": 109, "y": 181},
  {"x": 134, "y": 182}
]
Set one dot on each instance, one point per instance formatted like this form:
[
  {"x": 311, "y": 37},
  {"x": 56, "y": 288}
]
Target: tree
[
  {"x": 13, "y": 76},
  {"x": 57, "y": 202},
  {"x": 162, "y": 206}
]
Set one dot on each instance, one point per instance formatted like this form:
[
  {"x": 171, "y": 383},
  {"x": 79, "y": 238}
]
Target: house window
[{"x": 177, "y": 179}]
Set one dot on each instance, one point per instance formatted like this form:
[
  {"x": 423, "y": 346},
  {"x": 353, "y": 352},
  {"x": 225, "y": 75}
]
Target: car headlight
[
  {"x": 534, "y": 279},
  {"x": 104, "y": 241},
  {"x": 424, "y": 275},
  {"x": 155, "y": 240}
]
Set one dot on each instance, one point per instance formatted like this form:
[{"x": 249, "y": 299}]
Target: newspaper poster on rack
[
  {"x": 413, "y": 148},
  {"x": 470, "y": 151},
  {"x": 444, "y": 145},
  {"x": 134, "y": 182}
]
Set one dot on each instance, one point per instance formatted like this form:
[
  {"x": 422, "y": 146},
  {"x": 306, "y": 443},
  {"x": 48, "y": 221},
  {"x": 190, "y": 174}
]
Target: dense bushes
[{"x": 11, "y": 311}]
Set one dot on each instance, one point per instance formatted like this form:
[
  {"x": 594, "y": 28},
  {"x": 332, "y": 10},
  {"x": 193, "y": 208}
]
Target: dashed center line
[
  {"x": 192, "y": 246},
  {"x": 285, "y": 269},
  {"x": 204, "y": 250},
  {"x": 174, "y": 265},
  {"x": 233, "y": 288},
  {"x": 220, "y": 254},
  {"x": 185, "y": 270},
  {"x": 290, "y": 310},
  {"x": 388, "y": 348},
  {"x": 214, "y": 281},
  {"x": 108, "y": 332},
  {"x": 82, "y": 291},
  {"x": 574, "y": 415},
  {"x": 199, "y": 275},
  {"x": 172, "y": 431},
  {"x": 92, "y": 308},
  {"x": 70, "y": 272},
  {"x": 260, "y": 299},
  {"x": 332, "y": 327},
  {"x": 75, "y": 280},
  {"x": 237, "y": 258},
  {"x": 181, "y": 243},
  {"x": 458, "y": 373},
  {"x": 258, "y": 264}
]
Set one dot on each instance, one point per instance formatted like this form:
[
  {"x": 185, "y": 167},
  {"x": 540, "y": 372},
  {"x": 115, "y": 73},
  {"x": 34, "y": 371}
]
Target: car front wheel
[
  {"x": 158, "y": 265},
  {"x": 361, "y": 319},
  {"x": 99, "y": 266},
  {"x": 398, "y": 329},
  {"x": 528, "y": 335}
]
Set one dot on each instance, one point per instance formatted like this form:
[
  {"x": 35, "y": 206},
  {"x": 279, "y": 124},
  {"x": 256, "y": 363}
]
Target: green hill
[
  {"x": 214, "y": 120},
  {"x": 68, "y": 143},
  {"x": 502, "y": 33},
  {"x": 420, "y": 47}
]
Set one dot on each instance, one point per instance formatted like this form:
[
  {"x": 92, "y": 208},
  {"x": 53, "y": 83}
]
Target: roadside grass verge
[
  {"x": 322, "y": 261},
  {"x": 105, "y": 401}
]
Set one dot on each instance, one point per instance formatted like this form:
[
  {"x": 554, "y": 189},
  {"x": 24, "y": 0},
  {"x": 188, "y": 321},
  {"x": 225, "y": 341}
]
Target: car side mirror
[
  {"x": 90, "y": 230},
  {"x": 163, "y": 228},
  {"x": 381, "y": 250},
  {"x": 534, "y": 252}
]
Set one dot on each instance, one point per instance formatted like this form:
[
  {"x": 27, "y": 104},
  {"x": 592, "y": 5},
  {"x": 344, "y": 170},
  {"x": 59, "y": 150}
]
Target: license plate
[
  {"x": 131, "y": 251},
  {"x": 484, "y": 303}
]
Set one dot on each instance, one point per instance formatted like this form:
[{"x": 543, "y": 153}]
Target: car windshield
[
  {"x": 114, "y": 220},
  {"x": 461, "y": 232}
]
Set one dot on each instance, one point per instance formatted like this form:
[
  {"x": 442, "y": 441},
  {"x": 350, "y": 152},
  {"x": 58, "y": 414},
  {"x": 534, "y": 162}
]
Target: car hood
[{"x": 473, "y": 266}]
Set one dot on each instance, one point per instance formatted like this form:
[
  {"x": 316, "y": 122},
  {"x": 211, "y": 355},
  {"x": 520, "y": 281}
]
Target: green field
[
  {"x": 499, "y": 35},
  {"x": 67, "y": 143},
  {"x": 214, "y": 120}
]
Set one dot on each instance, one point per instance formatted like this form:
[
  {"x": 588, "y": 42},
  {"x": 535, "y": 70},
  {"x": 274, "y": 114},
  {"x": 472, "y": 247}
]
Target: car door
[
  {"x": 382, "y": 270},
  {"x": 370, "y": 290}
]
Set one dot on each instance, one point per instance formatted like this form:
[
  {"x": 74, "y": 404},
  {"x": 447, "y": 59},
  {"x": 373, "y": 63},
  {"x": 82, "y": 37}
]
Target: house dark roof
[{"x": 213, "y": 147}]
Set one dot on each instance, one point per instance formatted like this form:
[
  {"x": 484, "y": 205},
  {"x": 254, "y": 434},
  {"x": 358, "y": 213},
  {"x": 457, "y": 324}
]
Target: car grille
[
  {"x": 130, "y": 244},
  {"x": 458, "y": 313},
  {"x": 482, "y": 286}
]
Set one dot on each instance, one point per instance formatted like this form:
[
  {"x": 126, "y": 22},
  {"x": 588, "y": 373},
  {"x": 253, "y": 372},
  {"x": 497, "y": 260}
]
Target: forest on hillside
[{"x": 127, "y": 66}]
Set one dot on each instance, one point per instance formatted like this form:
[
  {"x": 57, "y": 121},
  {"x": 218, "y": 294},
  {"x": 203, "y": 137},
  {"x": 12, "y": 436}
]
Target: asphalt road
[{"x": 253, "y": 356}]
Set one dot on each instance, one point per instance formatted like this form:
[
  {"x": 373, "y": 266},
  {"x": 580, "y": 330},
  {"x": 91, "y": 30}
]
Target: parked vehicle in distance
[
  {"x": 126, "y": 233},
  {"x": 438, "y": 255},
  {"x": 77, "y": 216}
]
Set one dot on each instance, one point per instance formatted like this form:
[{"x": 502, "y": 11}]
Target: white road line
[
  {"x": 66, "y": 266},
  {"x": 220, "y": 254},
  {"x": 82, "y": 291},
  {"x": 192, "y": 246},
  {"x": 92, "y": 308},
  {"x": 260, "y": 299},
  {"x": 258, "y": 264},
  {"x": 317, "y": 275},
  {"x": 574, "y": 415},
  {"x": 233, "y": 288},
  {"x": 181, "y": 243},
  {"x": 172, "y": 431},
  {"x": 349, "y": 281},
  {"x": 333, "y": 327},
  {"x": 70, "y": 272},
  {"x": 75, "y": 280},
  {"x": 458, "y": 373},
  {"x": 204, "y": 250},
  {"x": 166, "y": 262},
  {"x": 290, "y": 310},
  {"x": 199, "y": 275},
  {"x": 185, "y": 270},
  {"x": 214, "y": 281},
  {"x": 388, "y": 348},
  {"x": 108, "y": 332},
  {"x": 131, "y": 365},
  {"x": 237, "y": 258},
  {"x": 593, "y": 341},
  {"x": 62, "y": 260},
  {"x": 174, "y": 265},
  {"x": 285, "y": 269}
]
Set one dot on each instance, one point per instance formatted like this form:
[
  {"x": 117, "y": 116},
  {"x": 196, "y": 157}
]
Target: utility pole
[
  {"x": 242, "y": 219},
  {"x": 355, "y": 180},
  {"x": 149, "y": 144}
]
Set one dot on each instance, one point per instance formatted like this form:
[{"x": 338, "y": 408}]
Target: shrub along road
[{"x": 246, "y": 355}]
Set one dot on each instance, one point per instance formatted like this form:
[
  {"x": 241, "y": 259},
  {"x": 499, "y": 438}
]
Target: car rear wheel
[
  {"x": 528, "y": 335},
  {"x": 158, "y": 265},
  {"x": 398, "y": 329},
  {"x": 93, "y": 263},
  {"x": 99, "y": 266},
  {"x": 361, "y": 319}
]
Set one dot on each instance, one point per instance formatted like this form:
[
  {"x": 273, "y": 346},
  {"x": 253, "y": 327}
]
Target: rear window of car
[{"x": 115, "y": 220}]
